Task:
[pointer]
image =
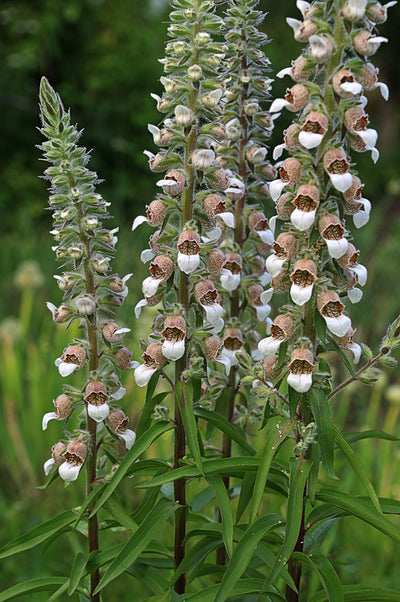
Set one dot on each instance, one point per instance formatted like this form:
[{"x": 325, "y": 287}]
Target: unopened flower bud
[
  {"x": 203, "y": 38},
  {"x": 195, "y": 73},
  {"x": 256, "y": 154},
  {"x": 269, "y": 365},
  {"x": 123, "y": 358},
  {"x": 203, "y": 158},
  {"x": 171, "y": 86},
  {"x": 216, "y": 260},
  {"x": 281, "y": 282},
  {"x": 251, "y": 107},
  {"x": 85, "y": 305},
  {"x": 184, "y": 116},
  {"x": 100, "y": 264},
  {"x": 212, "y": 346},
  {"x": 156, "y": 212},
  {"x": 233, "y": 129},
  {"x": 75, "y": 251},
  {"x": 211, "y": 99},
  {"x": 321, "y": 48},
  {"x": 220, "y": 179}
]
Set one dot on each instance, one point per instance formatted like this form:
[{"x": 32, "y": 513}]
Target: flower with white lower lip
[
  {"x": 303, "y": 278},
  {"x": 331, "y": 309},
  {"x": 354, "y": 10},
  {"x": 174, "y": 332},
  {"x": 232, "y": 343},
  {"x": 114, "y": 333},
  {"x": 336, "y": 166},
  {"x": 63, "y": 404},
  {"x": 281, "y": 330},
  {"x": 118, "y": 423},
  {"x": 75, "y": 456},
  {"x": 73, "y": 358},
  {"x": 258, "y": 224},
  {"x": 154, "y": 359},
  {"x": 188, "y": 251},
  {"x": 345, "y": 84},
  {"x": 366, "y": 43},
  {"x": 313, "y": 129},
  {"x": 306, "y": 203},
  {"x": 215, "y": 206},
  {"x": 96, "y": 397},
  {"x": 332, "y": 232},
  {"x": 284, "y": 249},
  {"x": 346, "y": 341},
  {"x": 173, "y": 183},
  {"x": 253, "y": 294},
  {"x": 206, "y": 294},
  {"x": 230, "y": 271},
  {"x": 57, "y": 457},
  {"x": 161, "y": 269},
  {"x": 350, "y": 261},
  {"x": 295, "y": 99},
  {"x": 155, "y": 214},
  {"x": 301, "y": 367}
]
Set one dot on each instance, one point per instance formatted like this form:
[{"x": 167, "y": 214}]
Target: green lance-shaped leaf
[
  {"x": 246, "y": 493},
  {"x": 140, "y": 446},
  {"x": 361, "y": 509},
  {"x": 363, "y": 593},
  {"x": 38, "y": 534},
  {"x": 189, "y": 421},
  {"x": 222, "y": 496},
  {"x": 274, "y": 436},
  {"x": 77, "y": 572},
  {"x": 325, "y": 572},
  {"x": 357, "y": 467},
  {"x": 121, "y": 515},
  {"x": 323, "y": 417},
  {"x": 135, "y": 546},
  {"x": 150, "y": 401},
  {"x": 244, "y": 551},
  {"x": 299, "y": 469},
  {"x": 371, "y": 434},
  {"x": 225, "y": 426},
  {"x": 245, "y": 587},
  {"x": 21, "y": 590},
  {"x": 196, "y": 556}
]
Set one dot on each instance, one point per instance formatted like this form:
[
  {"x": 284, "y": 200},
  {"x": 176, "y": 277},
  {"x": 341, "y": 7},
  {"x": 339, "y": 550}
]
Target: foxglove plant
[
  {"x": 92, "y": 294},
  {"x": 315, "y": 262}
]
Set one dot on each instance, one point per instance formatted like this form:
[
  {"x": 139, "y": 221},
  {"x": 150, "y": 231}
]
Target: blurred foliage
[{"x": 101, "y": 55}]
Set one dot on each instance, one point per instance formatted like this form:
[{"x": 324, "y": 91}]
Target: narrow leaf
[
  {"x": 361, "y": 509},
  {"x": 41, "y": 584},
  {"x": 325, "y": 572},
  {"x": 357, "y": 467},
  {"x": 133, "y": 454},
  {"x": 323, "y": 417},
  {"x": 273, "y": 438},
  {"x": 246, "y": 493},
  {"x": 38, "y": 534},
  {"x": 221, "y": 494},
  {"x": 151, "y": 401},
  {"x": 299, "y": 469},
  {"x": 294, "y": 398},
  {"x": 189, "y": 421},
  {"x": 363, "y": 593},
  {"x": 154, "y": 521},
  {"x": 358, "y": 436},
  {"x": 77, "y": 572},
  {"x": 225, "y": 426},
  {"x": 342, "y": 356},
  {"x": 121, "y": 515},
  {"x": 244, "y": 551}
]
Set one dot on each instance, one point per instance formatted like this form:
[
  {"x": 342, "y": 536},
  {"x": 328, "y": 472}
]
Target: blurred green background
[{"x": 101, "y": 56}]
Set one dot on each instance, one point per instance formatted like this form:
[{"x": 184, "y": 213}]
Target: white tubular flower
[
  {"x": 336, "y": 166},
  {"x": 354, "y": 295},
  {"x": 281, "y": 330},
  {"x": 354, "y": 10},
  {"x": 306, "y": 202},
  {"x": 301, "y": 367},
  {"x": 303, "y": 7},
  {"x": 72, "y": 359},
  {"x": 232, "y": 343},
  {"x": 173, "y": 183},
  {"x": 117, "y": 423},
  {"x": 174, "y": 332},
  {"x": 275, "y": 188},
  {"x": 330, "y": 307},
  {"x": 320, "y": 48},
  {"x": 361, "y": 217},
  {"x": 57, "y": 457},
  {"x": 236, "y": 189},
  {"x": 206, "y": 294},
  {"x": 295, "y": 24},
  {"x": 332, "y": 232},
  {"x": 258, "y": 224},
  {"x": 63, "y": 407},
  {"x": 347, "y": 343},
  {"x": 153, "y": 361},
  {"x": 303, "y": 277},
  {"x": 229, "y": 281},
  {"x": 188, "y": 251},
  {"x": 233, "y": 129},
  {"x": 274, "y": 264},
  {"x": 284, "y": 249},
  {"x": 140, "y": 219},
  {"x": 160, "y": 137},
  {"x": 98, "y": 413},
  {"x": 96, "y": 397},
  {"x": 74, "y": 459},
  {"x": 313, "y": 129},
  {"x": 150, "y": 286},
  {"x": 366, "y": 44},
  {"x": 349, "y": 261}
]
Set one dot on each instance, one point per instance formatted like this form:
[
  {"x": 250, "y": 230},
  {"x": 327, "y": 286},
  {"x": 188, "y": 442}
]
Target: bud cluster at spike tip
[
  {"x": 318, "y": 195},
  {"x": 210, "y": 229},
  {"x": 92, "y": 293}
]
